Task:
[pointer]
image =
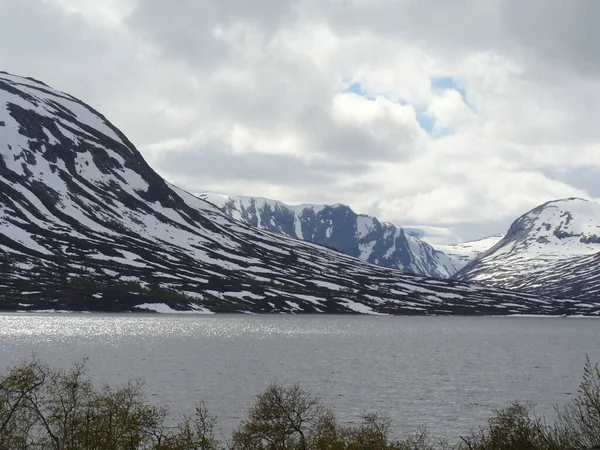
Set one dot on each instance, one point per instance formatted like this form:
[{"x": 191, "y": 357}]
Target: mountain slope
[
  {"x": 545, "y": 251},
  {"x": 339, "y": 227},
  {"x": 86, "y": 224}
]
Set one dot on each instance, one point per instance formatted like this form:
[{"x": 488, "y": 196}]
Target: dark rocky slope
[
  {"x": 339, "y": 227},
  {"x": 86, "y": 224}
]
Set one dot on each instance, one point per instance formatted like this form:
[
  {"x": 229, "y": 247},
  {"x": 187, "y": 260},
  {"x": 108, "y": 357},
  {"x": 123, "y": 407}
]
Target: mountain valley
[{"x": 87, "y": 225}]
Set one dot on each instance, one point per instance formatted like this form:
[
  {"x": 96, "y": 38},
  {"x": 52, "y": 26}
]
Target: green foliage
[
  {"x": 291, "y": 419},
  {"x": 281, "y": 418},
  {"x": 196, "y": 433},
  {"x": 44, "y": 408},
  {"x": 578, "y": 424},
  {"x": 511, "y": 428}
]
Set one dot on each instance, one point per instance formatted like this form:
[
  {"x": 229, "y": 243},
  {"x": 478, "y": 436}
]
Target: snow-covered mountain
[
  {"x": 462, "y": 253},
  {"x": 86, "y": 224},
  {"x": 551, "y": 250},
  {"x": 339, "y": 227}
]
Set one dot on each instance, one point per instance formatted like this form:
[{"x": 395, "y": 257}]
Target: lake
[{"x": 444, "y": 372}]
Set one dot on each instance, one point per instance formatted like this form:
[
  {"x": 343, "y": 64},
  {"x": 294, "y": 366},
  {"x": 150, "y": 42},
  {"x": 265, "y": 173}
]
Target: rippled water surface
[{"x": 444, "y": 372}]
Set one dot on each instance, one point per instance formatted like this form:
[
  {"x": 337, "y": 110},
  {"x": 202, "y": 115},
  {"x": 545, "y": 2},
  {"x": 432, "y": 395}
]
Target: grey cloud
[
  {"x": 33, "y": 33},
  {"x": 561, "y": 32},
  {"x": 471, "y": 231},
  {"x": 302, "y": 182},
  {"x": 269, "y": 93},
  {"x": 586, "y": 178},
  {"x": 216, "y": 165},
  {"x": 184, "y": 28},
  {"x": 274, "y": 99},
  {"x": 38, "y": 39},
  {"x": 471, "y": 23},
  {"x": 274, "y": 91},
  {"x": 355, "y": 143}
]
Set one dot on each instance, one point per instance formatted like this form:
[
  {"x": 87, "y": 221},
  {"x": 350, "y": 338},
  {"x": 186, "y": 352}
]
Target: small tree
[
  {"x": 195, "y": 433},
  {"x": 16, "y": 419},
  {"x": 43, "y": 408},
  {"x": 511, "y": 428},
  {"x": 281, "y": 419},
  {"x": 328, "y": 434}
]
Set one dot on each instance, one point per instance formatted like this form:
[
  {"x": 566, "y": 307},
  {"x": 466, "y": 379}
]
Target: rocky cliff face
[
  {"x": 337, "y": 226},
  {"x": 86, "y": 224}
]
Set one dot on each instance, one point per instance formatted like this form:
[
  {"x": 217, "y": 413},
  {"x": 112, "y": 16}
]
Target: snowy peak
[
  {"x": 264, "y": 213},
  {"x": 51, "y": 138},
  {"x": 62, "y": 113},
  {"x": 338, "y": 226},
  {"x": 562, "y": 227},
  {"x": 538, "y": 246}
]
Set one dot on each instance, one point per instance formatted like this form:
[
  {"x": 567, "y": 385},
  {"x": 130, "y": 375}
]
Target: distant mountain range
[
  {"x": 337, "y": 226},
  {"x": 552, "y": 251},
  {"x": 358, "y": 235},
  {"x": 86, "y": 224}
]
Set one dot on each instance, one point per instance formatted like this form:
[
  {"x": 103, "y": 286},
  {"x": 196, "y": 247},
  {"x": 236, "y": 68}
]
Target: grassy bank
[{"x": 55, "y": 409}]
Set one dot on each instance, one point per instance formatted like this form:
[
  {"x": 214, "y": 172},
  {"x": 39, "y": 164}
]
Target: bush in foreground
[{"x": 45, "y": 408}]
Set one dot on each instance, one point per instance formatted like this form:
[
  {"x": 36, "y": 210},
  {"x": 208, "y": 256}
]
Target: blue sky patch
[
  {"x": 358, "y": 89},
  {"x": 426, "y": 121},
  {"x": 442, "y": 83}
]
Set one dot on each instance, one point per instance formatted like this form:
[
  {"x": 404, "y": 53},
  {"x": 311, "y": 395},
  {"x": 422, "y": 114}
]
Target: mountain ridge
[
  {"x": 87, "y": 225},
  {"x": 338, "y": 226}
]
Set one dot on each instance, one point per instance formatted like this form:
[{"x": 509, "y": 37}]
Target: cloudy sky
[{"x": 459, "y": 114}]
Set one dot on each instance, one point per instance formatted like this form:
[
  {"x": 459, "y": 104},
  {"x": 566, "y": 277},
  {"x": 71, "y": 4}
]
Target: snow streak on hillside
[{"x": 86, "y": 224}]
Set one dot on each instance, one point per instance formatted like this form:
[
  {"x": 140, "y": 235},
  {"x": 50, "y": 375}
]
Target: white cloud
[
  {"x": 450, "y": 110},
  {"x": 252, "y": 97},
  {"x": 379, "y": 124}
]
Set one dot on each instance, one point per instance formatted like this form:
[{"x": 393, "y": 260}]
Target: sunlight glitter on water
[
  {"x": 444, "y": 372},
  {"x": 53, "y": 326}
]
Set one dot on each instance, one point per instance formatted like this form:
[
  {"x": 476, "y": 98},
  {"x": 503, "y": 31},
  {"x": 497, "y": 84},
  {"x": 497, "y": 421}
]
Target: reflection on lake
[{"x": 444, "y": 372}]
